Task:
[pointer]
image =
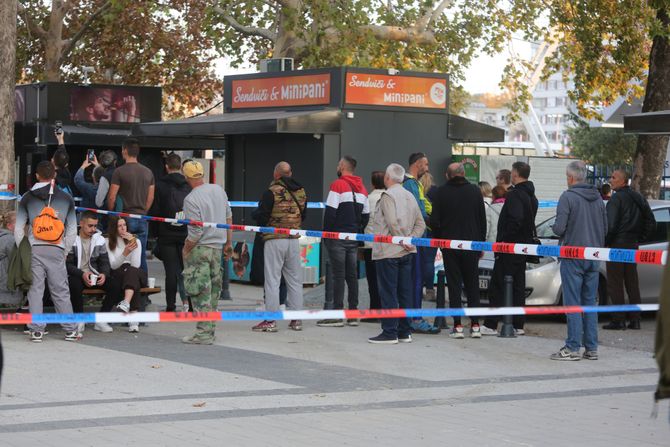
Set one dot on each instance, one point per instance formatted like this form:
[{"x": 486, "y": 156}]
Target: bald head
[
  {"x": 282, "y": 169},
  {"x": 455, "y": 170}
]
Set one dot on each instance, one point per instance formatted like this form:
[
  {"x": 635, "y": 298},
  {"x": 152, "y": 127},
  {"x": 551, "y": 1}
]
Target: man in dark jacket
[
  {"x": 459, "y": 213},
  {"x": 629, "y": 220},
  {"x": 347, "y": 211},
  {"x": 169, "y": 202},
  {"x": 283, "y": 205},
  {"x": 88, "y": 265},
  {"x": 515, "y": 225}
]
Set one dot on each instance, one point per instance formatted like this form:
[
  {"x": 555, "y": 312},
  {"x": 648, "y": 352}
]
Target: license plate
[{"x": 483, "y": 283}]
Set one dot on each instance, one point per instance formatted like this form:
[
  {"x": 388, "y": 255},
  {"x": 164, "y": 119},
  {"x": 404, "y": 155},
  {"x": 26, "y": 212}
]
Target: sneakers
[
  {"x": 457, "y": 332},
  {"x": 488, "y": 331},
  {"x": 423, "y": 327},
  {"x": 123, "y": 306},
  {"x": 81, "y": 327},
  {"x": 36, "y": 337},
  {"x": 590, "y": 355},
  {"x": 615, "y": 326},
  {"x": 565, "y": 354},
  {"x": 265, "y": 326},
  {"x": 196, "y": 340},
  {"x": 295, "y": 325},
  {"x": 519, "y": 332},
  {"x": 185, "y": 307},
  {"x": 72, "y": 336},
  {"x": 352, "y": 322},
  {"x": 330, "y": 323},
  {"x": 133, "y": 327},
  {"x": 382, "y": 339},
  {"x": 102, "y": 327},
  {"x": 430, "y": 295},
  {"x": 28, "y": 331},
  {"x": 475, "y": 331},
  {"x": 405, "y": 339}
]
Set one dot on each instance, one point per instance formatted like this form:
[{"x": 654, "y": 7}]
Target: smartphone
[
  {"x": 90, "y": 155},
  {"x": 59, "y": 127}
]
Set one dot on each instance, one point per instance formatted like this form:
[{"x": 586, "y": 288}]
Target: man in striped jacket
[{"x": 347, "y": 211}]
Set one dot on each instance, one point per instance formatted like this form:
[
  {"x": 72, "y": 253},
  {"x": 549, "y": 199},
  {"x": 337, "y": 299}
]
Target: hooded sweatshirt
[
  {"x": 517, "y": 217},
  {"x": 171, "y": 191},
  {"x": 32, "y": 204},
  {"x": 347, "y": 207},
  {"x": 581, "y": 219}
]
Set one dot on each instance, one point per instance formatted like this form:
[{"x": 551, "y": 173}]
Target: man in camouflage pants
[{"x": 203, "y": 246}]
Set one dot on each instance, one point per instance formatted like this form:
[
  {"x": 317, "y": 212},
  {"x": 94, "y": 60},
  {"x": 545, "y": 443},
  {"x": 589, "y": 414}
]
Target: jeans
[
  {"x": 394, "y": 279},
  {"x": 580, "y": 286},
  {"x": 140, "y": 228},
  {"x": 343, "y": 257},
  {"x": 171, "y": 254},
  {"x": 428, "y": 266}
]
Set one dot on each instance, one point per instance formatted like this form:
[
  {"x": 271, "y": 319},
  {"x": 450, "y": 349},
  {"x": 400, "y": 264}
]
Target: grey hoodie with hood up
[{"x": 581, "y": 219}]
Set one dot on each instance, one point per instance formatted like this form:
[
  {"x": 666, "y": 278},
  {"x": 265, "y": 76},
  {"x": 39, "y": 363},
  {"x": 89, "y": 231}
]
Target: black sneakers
[{"x": 382, "y": 339}]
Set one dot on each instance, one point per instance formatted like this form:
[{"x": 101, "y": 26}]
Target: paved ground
[{"x": 324, "y": 386}]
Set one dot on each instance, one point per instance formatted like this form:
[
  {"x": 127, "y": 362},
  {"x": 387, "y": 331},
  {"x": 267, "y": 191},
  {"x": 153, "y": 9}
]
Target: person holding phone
[
  {"x": 124, "y": 251},
  {"x": 88, "y": 190}
]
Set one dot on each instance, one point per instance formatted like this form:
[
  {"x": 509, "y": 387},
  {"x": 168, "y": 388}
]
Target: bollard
[
  {"x": 440, "y": 322},
  {"x": 507, "y": 329}
]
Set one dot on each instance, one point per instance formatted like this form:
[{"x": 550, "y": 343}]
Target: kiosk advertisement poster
[
  {"x": 395, "y": 91},
  {"x": 284, "y": 91},
  {"x": 472, "y": 165}
]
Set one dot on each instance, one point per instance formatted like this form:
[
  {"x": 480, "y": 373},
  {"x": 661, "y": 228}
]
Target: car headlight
[{"x": 544, "y": 260}]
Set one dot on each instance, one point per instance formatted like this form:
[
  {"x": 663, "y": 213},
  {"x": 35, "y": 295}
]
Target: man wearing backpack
[
  {"x": 629, "y": 222},
  {"x": 171, "y": 191},
  {"x": 52, "y": 229}
]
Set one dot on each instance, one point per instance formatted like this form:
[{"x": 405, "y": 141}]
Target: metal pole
[
  {"x": 440, "y": 322},
  {"x": 507, "y": 330}
]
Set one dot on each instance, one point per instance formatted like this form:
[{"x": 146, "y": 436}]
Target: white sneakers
[
  {"x": 102, "y": 327},
  {"x": 133, "y": 327}
]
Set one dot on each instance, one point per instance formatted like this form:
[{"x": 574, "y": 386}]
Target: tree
[
  {"x": 610, "y": 48},
  {"x": 601, "y": 145},
  {"x": 131, "y": 42},
  {"x": 8, "y": 57}
]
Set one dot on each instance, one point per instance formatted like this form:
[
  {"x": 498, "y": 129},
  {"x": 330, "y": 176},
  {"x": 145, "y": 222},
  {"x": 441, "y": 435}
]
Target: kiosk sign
[
  {"x": 284, "y": 91},
  {"x": 396, "y": 91}
]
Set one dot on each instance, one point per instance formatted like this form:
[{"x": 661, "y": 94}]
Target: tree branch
[
  {"x": 431, "y": 15},
  {"x": 248, "y": 30},
  {"x": 33, "y": 26},
  {"x": 411, "y": 34},
  {"x": 72, "y": 41}
]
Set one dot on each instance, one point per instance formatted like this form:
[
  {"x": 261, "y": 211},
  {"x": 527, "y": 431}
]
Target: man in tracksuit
[
  {"x": 347, "y": 211},
  {"x": 48, "y": 259}
]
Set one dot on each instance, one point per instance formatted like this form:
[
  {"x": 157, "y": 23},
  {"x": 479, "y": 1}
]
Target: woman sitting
[{"x": 124, "y": 251}]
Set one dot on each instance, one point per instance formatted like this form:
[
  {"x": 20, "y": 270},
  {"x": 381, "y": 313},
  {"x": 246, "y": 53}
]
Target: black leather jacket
[{"x": 624, "y": 217}]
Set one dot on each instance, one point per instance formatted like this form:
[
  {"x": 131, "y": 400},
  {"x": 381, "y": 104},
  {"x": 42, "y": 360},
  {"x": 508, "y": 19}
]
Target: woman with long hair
[
  {"x": 124, "y": 251},
  {"x": 428, "y": 253}
]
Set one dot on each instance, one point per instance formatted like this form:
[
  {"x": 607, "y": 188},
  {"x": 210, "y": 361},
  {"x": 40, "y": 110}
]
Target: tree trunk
[
  {"x": 53, "y": 43},
  {"x": 8, "y": 12},
  {"x": 652, "y": 149}
]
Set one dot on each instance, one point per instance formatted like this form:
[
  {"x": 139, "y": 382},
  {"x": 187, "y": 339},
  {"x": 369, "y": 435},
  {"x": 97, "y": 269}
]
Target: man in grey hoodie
[
  {"x": 48, "y": 259},
  {"x": 581, "y": 221}
]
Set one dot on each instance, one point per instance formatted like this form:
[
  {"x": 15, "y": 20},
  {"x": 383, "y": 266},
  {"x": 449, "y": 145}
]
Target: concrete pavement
[{"x": 321, "y": 386}]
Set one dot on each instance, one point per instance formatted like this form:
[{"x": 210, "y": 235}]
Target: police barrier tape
[
  {"x": 245, "y": 315},
  {"x": 629, "y": 256}
]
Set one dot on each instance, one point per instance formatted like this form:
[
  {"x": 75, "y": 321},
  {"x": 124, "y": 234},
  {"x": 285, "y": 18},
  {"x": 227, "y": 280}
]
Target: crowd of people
[{"x": 402, "y": 202}]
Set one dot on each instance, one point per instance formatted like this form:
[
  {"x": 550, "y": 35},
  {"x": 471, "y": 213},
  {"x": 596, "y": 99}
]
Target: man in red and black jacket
[{"x": 347, "y": 211}]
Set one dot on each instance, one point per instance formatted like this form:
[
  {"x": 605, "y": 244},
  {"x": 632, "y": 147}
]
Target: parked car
[{"x": 543, "y": 280}]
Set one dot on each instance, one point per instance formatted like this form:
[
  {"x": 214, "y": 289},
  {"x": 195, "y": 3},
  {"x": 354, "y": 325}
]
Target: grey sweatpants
[
  {"x": 48, "y": 262},
  {"x": 282, "y": 257}
]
